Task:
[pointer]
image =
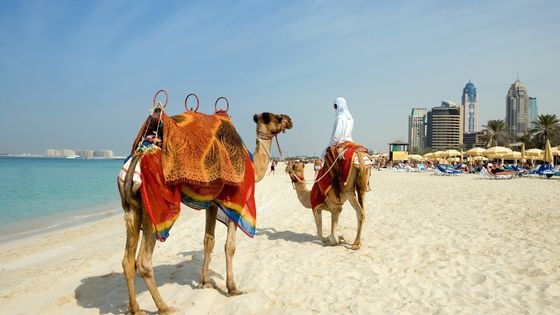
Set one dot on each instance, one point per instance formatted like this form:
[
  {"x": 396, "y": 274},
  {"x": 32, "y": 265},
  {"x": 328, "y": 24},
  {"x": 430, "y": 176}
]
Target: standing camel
[
  {"x": 354, "y": 191},
  {"x": 136, "y": 219}
]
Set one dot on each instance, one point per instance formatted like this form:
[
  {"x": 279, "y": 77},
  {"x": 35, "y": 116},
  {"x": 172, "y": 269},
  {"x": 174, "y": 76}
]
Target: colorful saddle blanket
[
  {"x": 202, "y": 161},
  {"x": 338, "y": 174}
]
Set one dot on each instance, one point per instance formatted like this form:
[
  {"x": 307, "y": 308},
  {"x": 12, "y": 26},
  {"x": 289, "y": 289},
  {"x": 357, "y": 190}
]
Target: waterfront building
[
  {"x": 445, "y": 127},
  {"x": 53, "y": 153},
  {"x": 103, "y": 153},
  {"x": 517, "y": 109},
  {"x": 475, "y": 139},
  {"x": 417, "y": 124},
  {"x": 469, "y": 104}
]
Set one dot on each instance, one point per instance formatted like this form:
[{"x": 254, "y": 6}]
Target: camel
[
  {"x": 268, "y": 125},
  {"x": 354, "y": 191}
]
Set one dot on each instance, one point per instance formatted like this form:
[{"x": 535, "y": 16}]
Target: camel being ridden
[
  {"x": 136, "y": 219},
  {"x": 353, "y": 191}
]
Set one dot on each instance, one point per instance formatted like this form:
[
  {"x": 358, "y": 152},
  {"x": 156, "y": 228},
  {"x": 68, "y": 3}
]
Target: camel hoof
[
  {"x": 235, "y": 292},
  {"x": 135, "y": 312},
  {"x": 167, "y": 310},
  {"x": 206, "y": 285},
  {"x": 356, "y": 246}
]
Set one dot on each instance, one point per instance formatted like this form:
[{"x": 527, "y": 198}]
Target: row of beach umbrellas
[{"x": 479, "y": 154}]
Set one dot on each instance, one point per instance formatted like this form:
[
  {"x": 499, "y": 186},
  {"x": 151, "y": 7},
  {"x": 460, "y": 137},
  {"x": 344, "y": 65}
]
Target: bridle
[{"x": 261, "y": 135}]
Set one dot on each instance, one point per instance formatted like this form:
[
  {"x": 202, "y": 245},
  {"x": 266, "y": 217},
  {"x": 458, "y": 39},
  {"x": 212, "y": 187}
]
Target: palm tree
[
  {"x": 544, "y": 128},
  {"x": 495, "y": 133}
]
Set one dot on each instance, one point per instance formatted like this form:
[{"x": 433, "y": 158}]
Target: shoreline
[{"x": 31, "y": 227}]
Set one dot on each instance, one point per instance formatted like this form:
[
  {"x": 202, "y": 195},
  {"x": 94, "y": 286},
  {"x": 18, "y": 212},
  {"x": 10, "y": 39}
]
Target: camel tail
[
  {"x": 129, "y": 199},
  {"x": 362, "y": 182}
]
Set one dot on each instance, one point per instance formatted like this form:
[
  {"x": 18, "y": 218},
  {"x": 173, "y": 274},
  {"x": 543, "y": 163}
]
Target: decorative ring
[
  {"x": 197, "y": 103},
  {"x": 166, "y": 98},
  {"x": 216, "y": 104}
]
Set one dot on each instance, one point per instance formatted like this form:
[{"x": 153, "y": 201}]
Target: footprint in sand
[{"x": 478, "y": 278}]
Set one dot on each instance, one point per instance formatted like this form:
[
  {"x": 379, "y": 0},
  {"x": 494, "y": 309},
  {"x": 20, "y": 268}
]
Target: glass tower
[
  {"x": 517, "y": 109},
  {"x": 469, "y": 104},
  {"x": 417, "y": 129},
  {"x": 533, "y": 110}
]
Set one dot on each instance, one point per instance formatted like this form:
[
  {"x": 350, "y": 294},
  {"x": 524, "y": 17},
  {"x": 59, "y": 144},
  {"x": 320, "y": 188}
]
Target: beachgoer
[
  {"x": 317, "y": 164},
  {"x": 272, "y": 167}
]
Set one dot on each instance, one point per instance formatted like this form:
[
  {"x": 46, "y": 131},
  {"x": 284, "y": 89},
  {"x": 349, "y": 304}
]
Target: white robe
[{"x": 343, "y": 124}]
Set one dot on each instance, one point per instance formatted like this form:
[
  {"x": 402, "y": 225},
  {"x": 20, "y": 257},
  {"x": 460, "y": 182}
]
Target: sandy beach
[{"x": 431, "y": 244}]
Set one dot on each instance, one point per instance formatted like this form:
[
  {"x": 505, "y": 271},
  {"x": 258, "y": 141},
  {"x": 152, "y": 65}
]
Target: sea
[{"x": 42, "y": 194}]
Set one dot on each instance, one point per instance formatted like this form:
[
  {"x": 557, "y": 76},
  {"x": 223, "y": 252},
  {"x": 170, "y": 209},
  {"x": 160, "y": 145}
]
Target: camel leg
[
  {"x": 361, "y": 216},
  {"x": 209, "y": 241},
  {"x": 144, "y": 265},
  {"x": 319, "y": 223},
  {"x": 333, "y": 238},
  {"x": 230, "y": 252},
  {"x": 132, "y": 220}
]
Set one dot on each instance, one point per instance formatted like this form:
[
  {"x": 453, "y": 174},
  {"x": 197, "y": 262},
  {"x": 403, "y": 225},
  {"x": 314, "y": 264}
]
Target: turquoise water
[{"x": 33, "y": 189}]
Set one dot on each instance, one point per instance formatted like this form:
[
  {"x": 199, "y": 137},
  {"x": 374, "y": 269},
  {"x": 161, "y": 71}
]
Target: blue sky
[{"x": 81, "y": 74}]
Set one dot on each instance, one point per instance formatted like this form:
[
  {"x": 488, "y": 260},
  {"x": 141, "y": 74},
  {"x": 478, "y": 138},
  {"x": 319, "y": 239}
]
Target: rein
[{"x": 268, "y": 136}]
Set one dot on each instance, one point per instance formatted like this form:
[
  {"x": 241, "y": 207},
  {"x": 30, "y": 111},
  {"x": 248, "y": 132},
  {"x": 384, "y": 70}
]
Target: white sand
[{"x": 430, "y": 244}]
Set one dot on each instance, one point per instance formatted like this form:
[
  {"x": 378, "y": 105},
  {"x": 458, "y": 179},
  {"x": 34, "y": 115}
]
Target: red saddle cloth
[{"x": 338, "y": 174}]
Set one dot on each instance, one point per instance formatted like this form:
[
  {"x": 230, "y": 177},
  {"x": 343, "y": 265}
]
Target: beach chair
[
  {"x": 447, "y": 170},
  {"x": 487, "y": 175}
]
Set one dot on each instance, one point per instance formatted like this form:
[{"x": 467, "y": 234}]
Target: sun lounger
[
  {"x": 442, "y": 170},
  {"x": 487, "y": 175}
]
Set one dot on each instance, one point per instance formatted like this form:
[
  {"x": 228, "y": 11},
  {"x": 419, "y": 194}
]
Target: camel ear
[
  {"x": 256, "y": 118},
  {"x": 266, "y": 117}
]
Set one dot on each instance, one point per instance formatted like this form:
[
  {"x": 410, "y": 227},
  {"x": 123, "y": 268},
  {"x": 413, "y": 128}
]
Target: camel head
[
  {"x": 295, "y": 169},
  {"x": 272, "y": 124}
]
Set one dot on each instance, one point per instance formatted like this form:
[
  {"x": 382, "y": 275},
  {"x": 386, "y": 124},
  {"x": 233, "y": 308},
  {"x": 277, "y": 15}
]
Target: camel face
[
  {"x": 274, "y": 123},
  {"x": 296, "y": 172}
]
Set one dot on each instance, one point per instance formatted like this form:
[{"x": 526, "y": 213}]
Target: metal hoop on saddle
[
  {"x": 216, "y": 110},
  {"x": 197, "y": 103},
  {"x": 154, "y": 104}
]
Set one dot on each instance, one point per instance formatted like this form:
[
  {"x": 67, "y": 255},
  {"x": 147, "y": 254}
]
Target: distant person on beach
[
  {"x": 343, "y": 124},
  {"x": 272, "y": 167},
  {"x": 497, "y": 170},
  {"x": 317, "y": 164}
]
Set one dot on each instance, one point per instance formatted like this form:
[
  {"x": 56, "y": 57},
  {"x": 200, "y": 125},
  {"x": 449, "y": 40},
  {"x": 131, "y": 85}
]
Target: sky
[{"x": 81, "y": 74}]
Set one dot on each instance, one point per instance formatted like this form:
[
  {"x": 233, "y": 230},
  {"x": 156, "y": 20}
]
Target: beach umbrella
[
  {"x": 514, "y": 155},
  {"x": 496, "y": 152},
  {"x": 523, "y": 160},
  {"x": 428, "y": 156},
  {"x": 438, "y": 154},
  {"x": 556, "y": 150},
  {"x": 450, "y": 153},
  {"x": 547, "y": 156},
  {"x": 533, "y": 153},
  {"x": 475, "y": 151},
  {"x": 479, "y": 158},
  {"x": 415, "y": 157},
  {"x": 461, "y": 155}
]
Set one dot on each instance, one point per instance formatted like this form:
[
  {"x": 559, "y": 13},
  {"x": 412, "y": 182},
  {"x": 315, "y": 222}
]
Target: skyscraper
[
  {"x": 469, "y": 104},
  {"x": 445, "y": 127},
  {"x": 533, "y": 110},
  {"x": 417, "y": 124},
  {"x": 517, "y": 109}
]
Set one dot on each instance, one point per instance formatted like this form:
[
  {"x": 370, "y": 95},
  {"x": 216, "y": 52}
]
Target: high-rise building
[
  {"x": 517, "y": 109},
  {"x": 533, "y": 111},
  {"x": 469, "y": 104},
  {"x": 445, "y": 127},
  {"x": 417, "y": 124}
]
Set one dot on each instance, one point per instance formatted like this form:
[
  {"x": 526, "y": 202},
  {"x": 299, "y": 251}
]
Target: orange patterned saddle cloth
[{"x": 202, "y": 149}]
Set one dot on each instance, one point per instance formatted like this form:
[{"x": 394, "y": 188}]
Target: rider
[{"x": 343, "y": 124}]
